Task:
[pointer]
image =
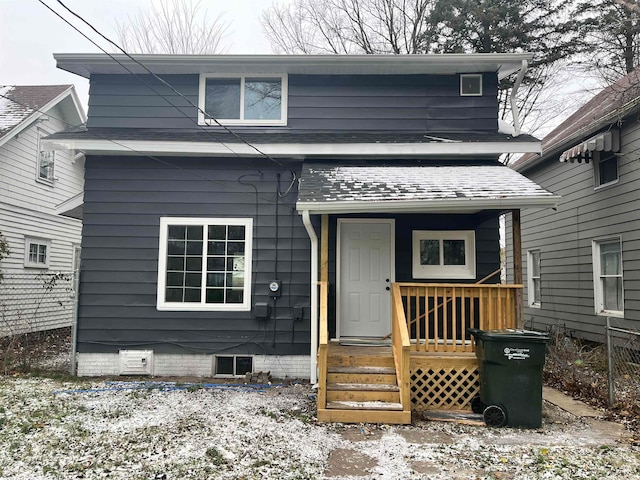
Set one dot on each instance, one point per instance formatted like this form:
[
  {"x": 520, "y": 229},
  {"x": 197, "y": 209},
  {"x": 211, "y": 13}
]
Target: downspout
[
  {"x": 514, "y": 104},
  {"x": 306, "y": 219}
]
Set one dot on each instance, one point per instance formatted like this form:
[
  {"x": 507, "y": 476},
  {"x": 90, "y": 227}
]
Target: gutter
[
  {"x": 306, "y": 220},
  {"x": 515, "y": 113}
]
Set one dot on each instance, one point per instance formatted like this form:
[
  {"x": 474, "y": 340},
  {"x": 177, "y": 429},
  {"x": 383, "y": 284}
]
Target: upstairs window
[
  {"x": 204, "y": 264},
  {"x": 243, "y": 100},
  {"x": 606, "y": 168},
  {"x": 471, "y": 85},
  {"x": 45, "y": 161},
  {"x": 444, "y": 254}
]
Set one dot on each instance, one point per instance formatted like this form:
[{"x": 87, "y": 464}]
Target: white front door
[{"x": 365, "y": 272}]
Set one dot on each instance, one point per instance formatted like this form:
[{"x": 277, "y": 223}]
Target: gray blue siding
[
  {"x": 564, "y": 238},
  {"x": 315, "y": 102},
  {"x": 124, "y": 200}
]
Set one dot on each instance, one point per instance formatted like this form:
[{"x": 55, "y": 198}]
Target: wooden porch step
[
  {"x": 363, "y": 387},
  {"x": 374, "y": 405},
  {"x": 362, "y": 370},
  {"x": 397, "y": 417}
]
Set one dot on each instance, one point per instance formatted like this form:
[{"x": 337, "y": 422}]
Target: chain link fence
[
  {"x": 33, "y": 302},
  {"x": 623, "y": 353}
]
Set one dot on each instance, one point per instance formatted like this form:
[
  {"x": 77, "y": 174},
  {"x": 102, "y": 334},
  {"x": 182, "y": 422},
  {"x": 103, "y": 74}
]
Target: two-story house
[
  {"x": 581, "y": 262},
  {"x": 324, "y": 217},
  {"x": 37, "y": 215}
]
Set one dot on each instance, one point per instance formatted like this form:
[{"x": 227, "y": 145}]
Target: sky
[{"x": 30, "y": 34}]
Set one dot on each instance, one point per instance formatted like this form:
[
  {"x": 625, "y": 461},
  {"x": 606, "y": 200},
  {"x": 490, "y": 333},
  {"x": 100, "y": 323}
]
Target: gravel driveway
[{"x": 56, "y": 430}]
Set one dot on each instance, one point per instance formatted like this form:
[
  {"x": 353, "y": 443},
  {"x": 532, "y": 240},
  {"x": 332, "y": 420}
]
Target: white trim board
[{"x": 293, "y": 150}]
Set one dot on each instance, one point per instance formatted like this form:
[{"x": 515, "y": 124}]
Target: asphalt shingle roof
[
  {"x": 609, "y": 105},
  {"x": 323, "y": 182},
  {"x": 19, "y": 102}
]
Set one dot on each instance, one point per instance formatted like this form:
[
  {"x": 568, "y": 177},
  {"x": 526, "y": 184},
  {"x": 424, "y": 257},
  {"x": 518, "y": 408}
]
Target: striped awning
[{"x": 603, "y": 142}]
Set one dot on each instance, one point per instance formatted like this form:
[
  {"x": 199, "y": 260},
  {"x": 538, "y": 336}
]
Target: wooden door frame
[{"x": 392, "y": 257}]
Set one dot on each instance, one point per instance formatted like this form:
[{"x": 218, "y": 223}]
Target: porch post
[
  {"x": 324, "y": 249},
  {"x": 517, "y": 264}
]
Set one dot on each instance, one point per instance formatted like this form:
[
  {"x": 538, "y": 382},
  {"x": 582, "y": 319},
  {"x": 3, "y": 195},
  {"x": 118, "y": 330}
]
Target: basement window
[
  {"x": 471, "y": 85},
  {"x": 233, "y": 366}
]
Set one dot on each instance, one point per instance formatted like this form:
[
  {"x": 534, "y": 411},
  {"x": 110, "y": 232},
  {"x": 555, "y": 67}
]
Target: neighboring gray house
[
  {"x": 582, "y": 261},
  {"x": 36, "y": 189},
  {"x": 203, "y": 244}
]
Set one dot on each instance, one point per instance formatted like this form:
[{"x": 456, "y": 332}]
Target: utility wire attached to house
[{"x": 161, "y": 80}]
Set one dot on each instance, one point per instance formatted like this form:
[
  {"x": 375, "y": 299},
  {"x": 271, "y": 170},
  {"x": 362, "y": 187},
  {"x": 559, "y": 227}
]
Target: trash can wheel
[
  {"x": 494, "y": 416},
  {"x": 476, "y": 405}
]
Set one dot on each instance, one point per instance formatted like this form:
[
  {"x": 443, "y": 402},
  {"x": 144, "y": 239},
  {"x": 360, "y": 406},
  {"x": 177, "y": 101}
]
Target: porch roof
[{"x": 331, "y": 188}]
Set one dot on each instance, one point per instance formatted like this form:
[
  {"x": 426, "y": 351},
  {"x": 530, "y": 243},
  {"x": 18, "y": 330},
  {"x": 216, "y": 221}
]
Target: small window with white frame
[
  {"x": 471, "y": 85},
  {"x": 205, "y": 264},
  {"x": 605, "y": 168},
  {"x": 443, "y": 254},
  {"x": 243, "y": 100},
  {"x": 607, "y": 277},
  {"x": 533, "y": 277},
  {"x": 45, "y": 161},
  {"x": 36, "y": 252}
]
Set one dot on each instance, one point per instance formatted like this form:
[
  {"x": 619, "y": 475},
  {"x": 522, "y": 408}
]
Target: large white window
[
  {"x": 533, "y": 278},
  {"x": 204, "y": 264},
  {"x": 607, "y": 277},
  {"x": 45, "y": 161},
  {"x": 36, "y": 252},
  {"x": 243, "y": 100},
  {"x": 444, "y": 254}
]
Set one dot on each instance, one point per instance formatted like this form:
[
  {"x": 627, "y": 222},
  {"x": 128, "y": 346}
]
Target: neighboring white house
[{"x": 38, "y": 193}]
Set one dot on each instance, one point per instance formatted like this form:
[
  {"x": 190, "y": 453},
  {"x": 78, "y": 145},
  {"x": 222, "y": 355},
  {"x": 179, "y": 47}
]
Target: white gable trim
[{"x": 42, "y": 112}]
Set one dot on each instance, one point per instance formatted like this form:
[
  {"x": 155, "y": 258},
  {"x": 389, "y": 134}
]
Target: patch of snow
[
  {"x": 11, "y": 113},
  {"x": 101, "y": 432}
]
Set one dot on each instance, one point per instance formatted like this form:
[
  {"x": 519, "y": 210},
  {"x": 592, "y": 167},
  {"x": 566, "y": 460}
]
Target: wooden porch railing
[
  {"x": 323, "y": 345},
  {"x": 400, "y": 344},
  {"x": 438, "y": 315}
]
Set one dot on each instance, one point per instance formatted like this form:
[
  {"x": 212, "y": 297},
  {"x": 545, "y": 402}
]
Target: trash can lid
[{"x": 510, "y": 334}]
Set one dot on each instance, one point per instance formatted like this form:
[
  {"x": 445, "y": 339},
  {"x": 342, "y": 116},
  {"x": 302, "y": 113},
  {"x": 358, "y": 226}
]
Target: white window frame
[
  {"x": 202, "y": 120},
  {"x": 531, "y": 288},
  {"x": 165, "y": 222},
  {"x": 49, "y": 179},
  {"x": 597, "y": 277},
  {"x": 28, "y": 242},
  {"x": 596, "y": 169},
  {"x": 471, "y": 75},
  {"x": 466, "y": 271}
]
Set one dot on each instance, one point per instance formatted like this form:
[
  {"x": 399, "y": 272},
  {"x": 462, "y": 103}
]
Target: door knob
[{"x": 388, "y": 288}]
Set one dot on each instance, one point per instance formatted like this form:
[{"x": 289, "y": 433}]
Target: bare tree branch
[{"x": 174, "y": 26}]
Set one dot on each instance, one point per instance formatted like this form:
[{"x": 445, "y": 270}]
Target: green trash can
[{"x": 510, "y": 364}]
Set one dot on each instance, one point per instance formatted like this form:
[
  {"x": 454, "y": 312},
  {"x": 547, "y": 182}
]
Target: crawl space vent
[{"x": 136, "y": 362}]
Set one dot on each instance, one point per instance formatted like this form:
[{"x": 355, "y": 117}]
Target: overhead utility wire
[
  {"x": 161, "y": 80},
  {"x": 142, "y": 80},
  {"x": 158, "y": 93},
  {"x": 142, "y": 154}
]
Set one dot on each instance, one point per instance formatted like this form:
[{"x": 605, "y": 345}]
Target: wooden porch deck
[{"x": 431, "y": 363}]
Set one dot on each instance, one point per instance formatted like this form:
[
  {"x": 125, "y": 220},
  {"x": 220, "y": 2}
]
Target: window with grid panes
[{"x": 204, "y": 264}]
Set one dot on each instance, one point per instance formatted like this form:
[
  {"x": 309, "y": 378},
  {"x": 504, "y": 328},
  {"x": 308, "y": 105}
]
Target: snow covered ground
[{"x": 55, "y": 430}]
